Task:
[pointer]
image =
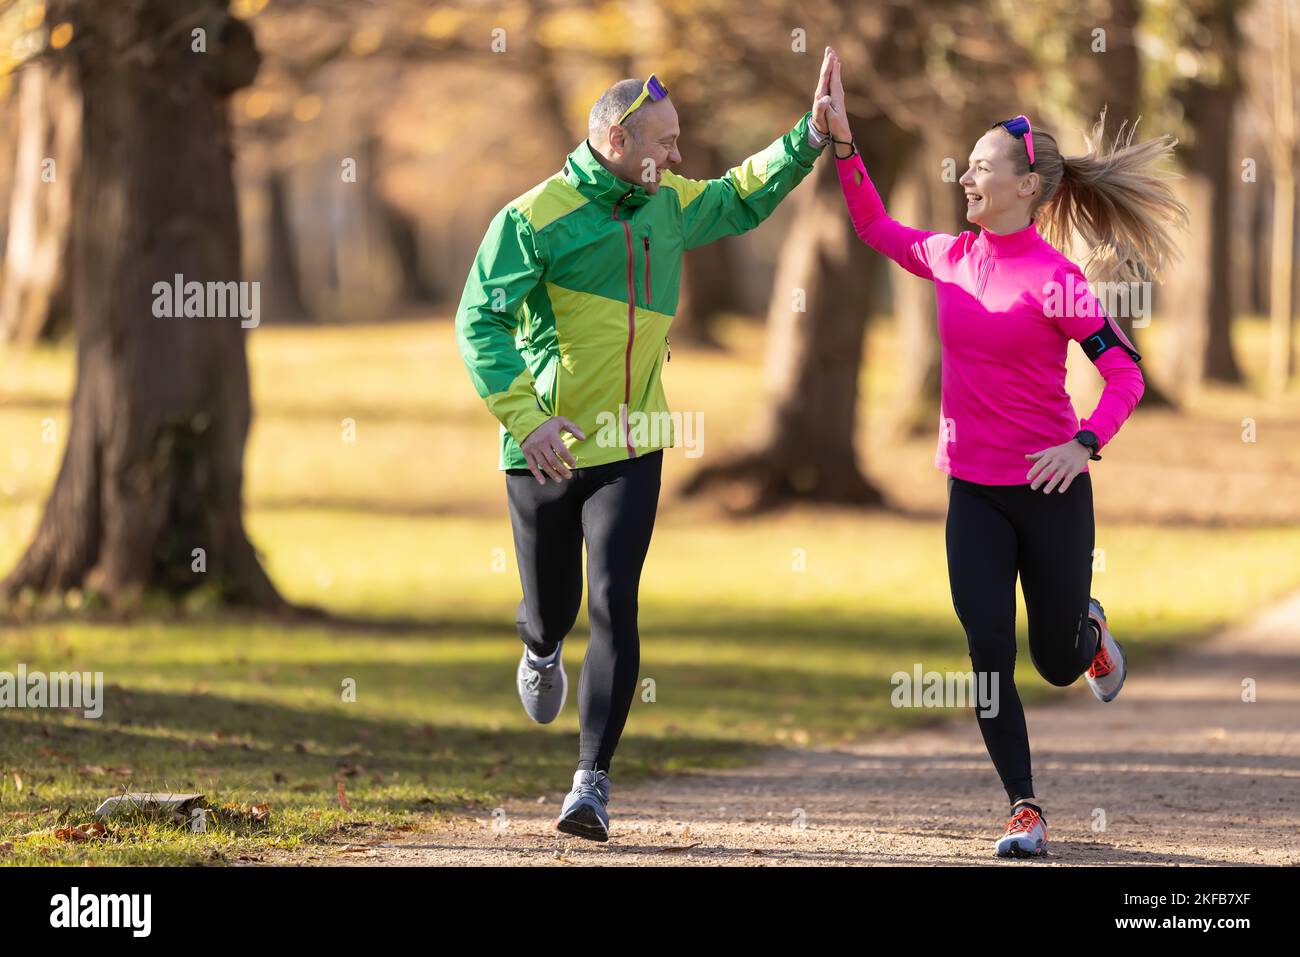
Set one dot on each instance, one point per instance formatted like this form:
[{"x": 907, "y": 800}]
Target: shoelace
[
  {"x": 1101, "y": 664},
  {"x": 538, "y": 679},
  {"x": 1023, "y": 820},
  {"x": 590, "y": 790}
]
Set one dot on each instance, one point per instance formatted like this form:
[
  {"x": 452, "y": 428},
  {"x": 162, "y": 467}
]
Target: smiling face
[
  {"x": 642, "y": 154},
  {"x": 997, "y": 197}
]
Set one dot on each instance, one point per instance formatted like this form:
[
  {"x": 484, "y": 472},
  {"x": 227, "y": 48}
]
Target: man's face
[{"x": 643, "y": 156}]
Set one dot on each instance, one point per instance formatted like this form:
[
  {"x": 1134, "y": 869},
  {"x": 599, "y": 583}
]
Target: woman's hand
[
  {"x": 1060, "y": 463},
  {"x": 822, "y": 98}
]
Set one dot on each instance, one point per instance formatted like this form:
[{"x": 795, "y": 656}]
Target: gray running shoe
[
  {"x": 542, "y": 690},
  {"x": 584, "y": 813},
  {"x": 1026, "y": 835},
  {"x": 1109, "y": 667}
]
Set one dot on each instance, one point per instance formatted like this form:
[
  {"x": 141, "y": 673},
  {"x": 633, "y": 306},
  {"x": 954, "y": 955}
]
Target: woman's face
[{"x": 994, "y": 191}]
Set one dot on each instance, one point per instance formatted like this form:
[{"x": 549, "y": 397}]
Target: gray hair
[{"x": 611, "y": 105}]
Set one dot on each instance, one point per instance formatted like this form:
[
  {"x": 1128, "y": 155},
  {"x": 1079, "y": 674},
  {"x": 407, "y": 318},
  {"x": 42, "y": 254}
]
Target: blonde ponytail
[{"x": 1113, "y": 199}]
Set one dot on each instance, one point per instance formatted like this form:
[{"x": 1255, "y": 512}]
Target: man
[{"x": 563, "y": 326}]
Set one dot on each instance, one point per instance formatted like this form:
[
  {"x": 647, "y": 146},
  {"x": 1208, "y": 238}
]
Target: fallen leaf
[{"x": 55, "y": 753}]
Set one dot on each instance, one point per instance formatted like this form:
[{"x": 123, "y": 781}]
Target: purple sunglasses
[
  {"x": 1020, "y": 128},
  {"x": 653, "y": 89}
]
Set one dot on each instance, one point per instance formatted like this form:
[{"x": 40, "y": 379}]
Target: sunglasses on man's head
[
  {"x": 1020, "y": 128},
  {"x": 653, "y": 89}
]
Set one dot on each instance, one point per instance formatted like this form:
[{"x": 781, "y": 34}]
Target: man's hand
[
  {"x": 836, "y": 113},
  {"x": 1060, "y": 463},
  {"x": 544, "y": 449},
  {"x": 822, "y": 98}
]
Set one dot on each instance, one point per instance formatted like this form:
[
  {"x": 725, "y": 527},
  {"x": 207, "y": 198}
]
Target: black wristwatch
[{"x": 1089, "y": 441}]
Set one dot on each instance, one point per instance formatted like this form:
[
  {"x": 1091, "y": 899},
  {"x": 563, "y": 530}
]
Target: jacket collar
[
  {"x": 583, "y": 171},
  {"x": 1010, "y": 244}
]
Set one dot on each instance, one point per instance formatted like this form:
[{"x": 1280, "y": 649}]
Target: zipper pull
[{"x": 670, "y": 349}]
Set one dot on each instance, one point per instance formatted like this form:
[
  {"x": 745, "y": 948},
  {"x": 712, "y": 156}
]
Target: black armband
[{"x": 1107, "y": 337}]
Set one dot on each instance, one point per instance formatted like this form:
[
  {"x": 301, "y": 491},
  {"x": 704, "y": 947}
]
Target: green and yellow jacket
[{"x": 568, "y": 303}]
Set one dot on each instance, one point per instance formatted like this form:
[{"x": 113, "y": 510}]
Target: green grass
[{"x": 406, "y": 532}]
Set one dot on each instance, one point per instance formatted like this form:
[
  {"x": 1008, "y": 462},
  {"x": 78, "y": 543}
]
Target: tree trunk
[
  {"x": 153, "y": 467},
  {"x": 283, "y": 286},
  {"x": 1212, "y": 161},
  {"x": 708, "y": 284},
  {"x": 1112, "y": 80},
  {"x": 34, "y": 278},
  {"x": 1281, "y": 352},
  {"x": 826, "y": 281}
]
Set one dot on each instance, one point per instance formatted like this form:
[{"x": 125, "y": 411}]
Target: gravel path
[{"x": 1182, "y": 769}]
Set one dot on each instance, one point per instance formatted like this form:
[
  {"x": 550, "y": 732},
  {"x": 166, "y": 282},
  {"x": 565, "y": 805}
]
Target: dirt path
[{"x": 1185, "y": 772}]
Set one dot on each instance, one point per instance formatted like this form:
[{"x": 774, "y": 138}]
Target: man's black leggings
[
  {"x": 993, "y": 533},
  {"x": 613, "y": 508}
]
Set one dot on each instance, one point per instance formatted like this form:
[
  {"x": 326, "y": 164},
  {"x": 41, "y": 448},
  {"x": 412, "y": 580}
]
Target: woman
[{"x": 1019, "y": 493}]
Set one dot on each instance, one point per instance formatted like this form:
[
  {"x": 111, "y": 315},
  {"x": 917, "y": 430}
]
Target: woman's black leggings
[
  {"x": 993, "y": 533},
  {"x": 613, "y": 508}
]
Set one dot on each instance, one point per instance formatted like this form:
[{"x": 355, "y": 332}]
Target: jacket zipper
[
  {"x": 984, "y": 274},
  {"x": 631, "y": 329},
  {"x": 646, "y": 241}
]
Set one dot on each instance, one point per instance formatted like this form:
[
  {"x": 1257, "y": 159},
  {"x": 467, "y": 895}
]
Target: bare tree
[{"x": 33, "y": 283}]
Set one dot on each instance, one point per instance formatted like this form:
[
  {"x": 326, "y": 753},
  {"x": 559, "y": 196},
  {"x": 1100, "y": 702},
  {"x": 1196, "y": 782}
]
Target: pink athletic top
[{"x": 1004, "y": 329}]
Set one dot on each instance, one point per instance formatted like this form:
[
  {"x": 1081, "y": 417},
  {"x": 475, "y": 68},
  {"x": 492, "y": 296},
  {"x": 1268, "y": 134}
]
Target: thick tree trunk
[
  {"x": 153, "y": 467},
  {"x": 33, "y": 284},
  {"x": 826, "y": 284}
]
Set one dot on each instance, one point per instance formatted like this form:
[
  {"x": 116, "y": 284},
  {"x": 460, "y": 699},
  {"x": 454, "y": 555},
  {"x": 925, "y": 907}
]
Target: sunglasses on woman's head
[
  {"x": 653, "y": 89},
  {"x": 1020, "y": 128}
]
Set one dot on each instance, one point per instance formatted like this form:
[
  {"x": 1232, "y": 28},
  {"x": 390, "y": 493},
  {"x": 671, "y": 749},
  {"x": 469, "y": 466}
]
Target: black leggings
[
  {"x": 613, "y": 508},
  {"x": 993, "y": 532}
]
